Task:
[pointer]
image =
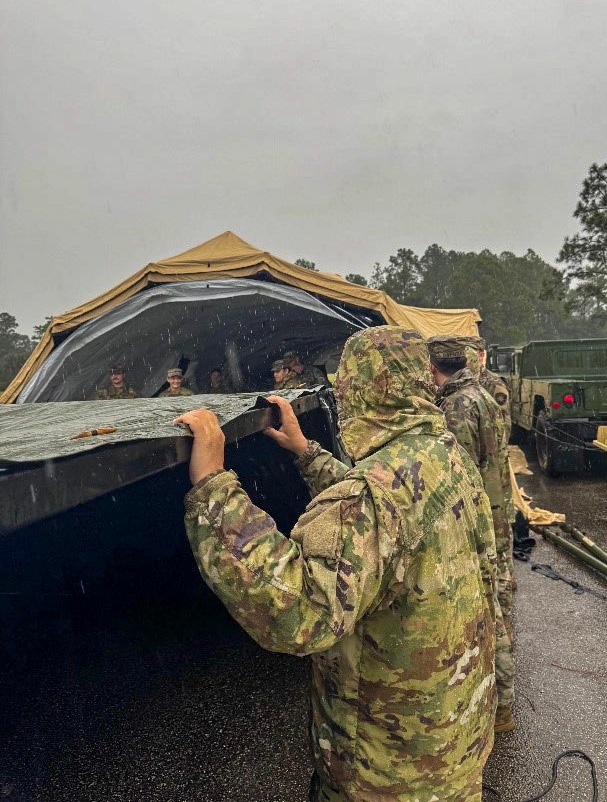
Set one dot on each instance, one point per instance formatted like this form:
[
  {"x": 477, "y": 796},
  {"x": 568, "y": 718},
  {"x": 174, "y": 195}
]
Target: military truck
[{"x": 559, "y": 394}]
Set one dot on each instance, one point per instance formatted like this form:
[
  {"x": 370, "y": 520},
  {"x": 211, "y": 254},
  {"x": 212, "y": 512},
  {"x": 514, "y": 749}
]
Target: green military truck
[{"x": 559, "y": 394}]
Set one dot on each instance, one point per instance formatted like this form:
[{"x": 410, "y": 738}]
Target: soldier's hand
[
  {"x": 209, "y": 443},
  {"x": 289, "y": 436}
]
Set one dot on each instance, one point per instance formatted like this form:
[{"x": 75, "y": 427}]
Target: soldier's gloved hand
[
  {"x": 209, "y": 443},
  {"x": 289, "y": 435}
]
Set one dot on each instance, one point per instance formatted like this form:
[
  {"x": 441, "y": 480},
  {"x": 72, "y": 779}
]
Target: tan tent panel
[{"x": 228, "y": 256}]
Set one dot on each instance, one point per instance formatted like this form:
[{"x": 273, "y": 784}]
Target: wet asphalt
[{"x": 177, "y": 704}]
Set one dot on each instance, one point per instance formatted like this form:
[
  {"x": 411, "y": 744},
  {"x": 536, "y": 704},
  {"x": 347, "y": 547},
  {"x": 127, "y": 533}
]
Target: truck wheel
[{"x": 544, "y": 446}]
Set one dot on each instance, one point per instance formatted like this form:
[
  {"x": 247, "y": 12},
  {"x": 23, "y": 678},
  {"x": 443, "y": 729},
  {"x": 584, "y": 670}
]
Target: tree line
[
  {"x": 15, "y": 347},
  {"x": 519, "y": 297}
]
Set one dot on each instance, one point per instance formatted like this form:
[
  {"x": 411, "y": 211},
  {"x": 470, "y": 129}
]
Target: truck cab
[{"x": 559, "y": 394}]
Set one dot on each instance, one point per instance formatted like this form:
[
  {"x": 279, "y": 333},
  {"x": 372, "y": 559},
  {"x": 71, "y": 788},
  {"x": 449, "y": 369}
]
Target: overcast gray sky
[{"x": 335, "y": 131}]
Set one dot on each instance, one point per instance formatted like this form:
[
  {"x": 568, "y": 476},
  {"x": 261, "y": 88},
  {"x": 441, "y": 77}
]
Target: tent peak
[{"x": 226, "y": 245}]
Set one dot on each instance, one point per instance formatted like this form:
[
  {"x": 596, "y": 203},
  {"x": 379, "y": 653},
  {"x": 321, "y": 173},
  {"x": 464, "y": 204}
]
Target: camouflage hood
[
  {"x": 463, "y": 378},
  {"x": 384, "y": 388}
]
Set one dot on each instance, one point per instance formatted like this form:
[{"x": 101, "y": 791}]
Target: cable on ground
[
  {"x": 555, "y": 763},
  {"x": 549, "y": 572}
]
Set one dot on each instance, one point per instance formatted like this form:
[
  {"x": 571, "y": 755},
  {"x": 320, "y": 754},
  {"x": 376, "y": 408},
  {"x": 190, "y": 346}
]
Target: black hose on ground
[{"x": 555, "y": 764}]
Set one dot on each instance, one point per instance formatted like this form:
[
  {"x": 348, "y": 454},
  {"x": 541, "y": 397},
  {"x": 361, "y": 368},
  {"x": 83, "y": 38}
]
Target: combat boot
[{"x": 504, "y": 720}]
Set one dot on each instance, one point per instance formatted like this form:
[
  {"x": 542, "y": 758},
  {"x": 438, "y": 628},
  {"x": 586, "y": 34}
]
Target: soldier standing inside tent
[
  {"x": 306, "y": 375},
  {"x": 117, "y": 387},
  {"x": 475, "y": 420},
  {"x": 386, "y": 580},
  {"x": 281, "y": 374},
  {"x": 217, "y": 383},
  {"x": 175, "y": 379}
]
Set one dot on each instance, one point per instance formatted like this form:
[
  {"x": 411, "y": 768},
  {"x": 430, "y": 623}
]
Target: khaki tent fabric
[
  {"x": 518, "y": 461},
  {"x": 534, "y": 515},
  {"x": 227, "y": 256},
  {"x": 601, "y": 438}
]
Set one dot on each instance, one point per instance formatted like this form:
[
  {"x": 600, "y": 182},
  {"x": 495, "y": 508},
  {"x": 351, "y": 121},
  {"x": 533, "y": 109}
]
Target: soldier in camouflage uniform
[
  {"x": 117, "y": 386},
  {"x": 174, "y": 378},
  {"x": 495, "y": 385},
  {"x": 497, "y": 388},
  {"x": 217, "y": 383},
  {"x": 306, "y": 375},
  {"x": 475, "y": 420},
  {"x": 283, "y": 378},
  {"x": 387, "y": 580}
]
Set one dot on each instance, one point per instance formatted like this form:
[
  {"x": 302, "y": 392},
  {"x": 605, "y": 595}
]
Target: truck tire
[{"x": 544, "y": 446}]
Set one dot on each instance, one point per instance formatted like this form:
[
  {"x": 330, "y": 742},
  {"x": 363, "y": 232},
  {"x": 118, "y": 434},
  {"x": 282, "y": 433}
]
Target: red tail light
[
  {"x": 556, "y": 405},
  {"x": 568, "y": 399}
]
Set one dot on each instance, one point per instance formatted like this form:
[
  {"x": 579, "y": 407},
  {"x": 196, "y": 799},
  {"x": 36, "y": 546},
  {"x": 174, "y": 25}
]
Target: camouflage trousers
[
  {"x": 504, "y": 585},
  {"x": 467, "y": 789},
  {"x": 504, "y": 658},
  {"x": 505, "y": 570}
]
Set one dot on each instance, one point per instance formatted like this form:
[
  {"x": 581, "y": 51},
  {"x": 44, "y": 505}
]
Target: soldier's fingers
[
  {"x": 199, "y": 419},
  {"x": 273, "y": 433},
  {"x": 286, "y": 410},
  {"x": 280, "y": 402}
]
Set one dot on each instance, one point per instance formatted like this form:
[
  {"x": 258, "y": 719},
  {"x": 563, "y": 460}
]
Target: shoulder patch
[
  {"x": 319, "y": 528},
  {"x": 344, "y": 489},
  {"x": 501, "y": 398}
]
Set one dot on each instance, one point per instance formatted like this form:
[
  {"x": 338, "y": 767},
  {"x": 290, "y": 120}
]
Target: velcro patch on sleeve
[{"x": 320, "y": 527}]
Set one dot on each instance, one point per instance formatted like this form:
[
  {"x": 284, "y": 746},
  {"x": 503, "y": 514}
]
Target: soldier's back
[
  {"x": 294, "y": 381},
  {"x": 312, "y": 376}
]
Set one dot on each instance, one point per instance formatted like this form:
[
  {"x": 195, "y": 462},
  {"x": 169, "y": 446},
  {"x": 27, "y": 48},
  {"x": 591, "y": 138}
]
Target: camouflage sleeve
[
  {"x": 484, "y": 533},
  {"x": 319, "y": 468},
  {"x": 297, "y": 595},
  {"x": 501, "y": 394},
  {"x": 463, "y": 422},
  {"x": 102, "y": 395},
  {"x": 492, "y": 474}
]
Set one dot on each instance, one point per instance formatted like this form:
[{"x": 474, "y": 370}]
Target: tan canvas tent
[{"x": 229, "y": 257}]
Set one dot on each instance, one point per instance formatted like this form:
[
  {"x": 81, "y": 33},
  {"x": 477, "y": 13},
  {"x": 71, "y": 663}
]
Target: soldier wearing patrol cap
[
  {"x": 474, "y": 418},
  {"x": 117, "y": 386},
  {"x": 281, "y": 373},
  {"x": 175, "y": 378},
  {"x": 498, "y": 389},
  {"x": 305, "y": 375},
  {"x": 496, "y": 386}
]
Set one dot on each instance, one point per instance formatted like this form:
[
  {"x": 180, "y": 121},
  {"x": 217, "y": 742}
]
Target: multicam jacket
[
  {"x": 475, "y": 420},
  {"x": 311, "y": 376},
  {"x": 386, "y": 581},
  {"x": 498, "y": 390},
  {"x": 495, "y": 385},
  {"x": 110, "y": 392},
  {"x": 291, "y": 382}
]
